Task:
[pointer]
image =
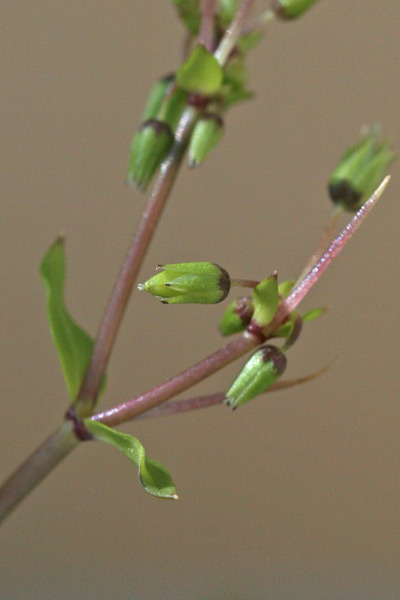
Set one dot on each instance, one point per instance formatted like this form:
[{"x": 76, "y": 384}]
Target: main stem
[{"x": 127, "y": 277}]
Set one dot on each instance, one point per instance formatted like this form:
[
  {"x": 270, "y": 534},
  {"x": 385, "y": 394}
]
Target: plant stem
[
  {"x": 206, "y": 36},
  {"x": 49, "y": 454},
  {"x": 233, "y": 32},
  {"x": 121, "y": 292},
  {"x": 246, "y": 283},
  {"x": 188, "y": 378},
  {"x": 177, "y": 407}
]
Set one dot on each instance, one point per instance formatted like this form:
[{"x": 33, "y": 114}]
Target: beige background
[{"x": 293, "y": 497}]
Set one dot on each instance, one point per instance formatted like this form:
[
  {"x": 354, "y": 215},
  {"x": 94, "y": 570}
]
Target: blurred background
[{"x": 296, "y": 495}]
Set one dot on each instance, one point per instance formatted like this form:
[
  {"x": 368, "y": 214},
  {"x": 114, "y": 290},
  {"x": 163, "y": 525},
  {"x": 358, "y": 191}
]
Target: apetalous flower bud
[
  {"x": 260, "y": 372},
  {"x": 291, "y": 9},
  {"x": 148, "y": 151},
  {"x": 205, "y": 136},
  {"x": 197, "y": 283},
  {"x": 359, "y": 172},
  {"x": 237, "y": 316}
]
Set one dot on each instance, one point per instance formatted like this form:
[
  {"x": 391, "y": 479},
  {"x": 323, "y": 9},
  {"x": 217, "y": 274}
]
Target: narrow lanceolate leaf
[
  {"x": 74, "y": 345},
  {"x": 152, "y": 475},
  {"x": 201, "y": 73}
]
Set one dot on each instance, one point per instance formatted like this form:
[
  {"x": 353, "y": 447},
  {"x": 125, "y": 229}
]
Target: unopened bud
[
  {"x": 260, "y": 372},
  {"x": 227, "y": 10},
  {"x": 148, "y": 150},
  {"x": 156, "y": 97},
  {"x": 237, "y": 316},
  {"x": 359, "y": 172},
  {"x": 206, "y": 135},
  {"x": 291, "y": 9},
  {"x": 197, "y": 283}
]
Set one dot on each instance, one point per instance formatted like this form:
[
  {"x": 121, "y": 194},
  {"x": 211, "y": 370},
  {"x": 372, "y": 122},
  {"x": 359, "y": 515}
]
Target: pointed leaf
[
  {"x": 314, "y": 313},
  {"x": 201, "y": 73},
  {"x": 74, "y": 345},
  {"x": 152, "y": 475}
]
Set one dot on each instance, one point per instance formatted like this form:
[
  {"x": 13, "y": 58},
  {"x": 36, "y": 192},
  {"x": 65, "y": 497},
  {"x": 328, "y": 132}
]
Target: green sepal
[
  {"x": 235, "y": 73},
  {"x": 172, "y": 108},
  {"x": 237, "y": 316},
  {"x": 285, "y": 288},
  {"x": 206, "y": 135},
  {"x": 73, "y": 344},
  {"x": 195, "y": 283},
  {"x": 261, "y": 371},
  {"x": 156, "y": 97},
  {"x": 249, "y": 41},
  {"x": 360, "y": 171},
  {"x": 201, "y": 73},
  {"x": 266, "y": 300},
  {"x": 153, "y": 476},
  {"x": 314, "y": 313},
  {"x": 291, "y": 9},
  {"x": 189, "y": 13},
  {"x": 149, "y": 148},
  {"x": 226, "y": 12}
]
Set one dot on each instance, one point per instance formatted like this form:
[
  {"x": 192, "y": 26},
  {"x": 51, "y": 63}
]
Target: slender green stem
[{"x": 48, "y": 455}]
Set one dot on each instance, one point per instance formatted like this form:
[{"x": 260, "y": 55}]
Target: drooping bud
[
  {"x": 359, "y": 172},
  {"x": 156, "y": 97},
  {"x": 206, "y": 134},
  {"x": 189, "y": 13},
  {"x": 260, "y": 372},
  {"x": 197, "y": 283},
  {"x": 148, "y": 151},
  {"x": 237, "y": 316},
  {"x": 291, "y": 9}
]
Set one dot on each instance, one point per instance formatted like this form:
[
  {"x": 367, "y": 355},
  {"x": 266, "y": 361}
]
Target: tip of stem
[{"x": 141, "y": 287}]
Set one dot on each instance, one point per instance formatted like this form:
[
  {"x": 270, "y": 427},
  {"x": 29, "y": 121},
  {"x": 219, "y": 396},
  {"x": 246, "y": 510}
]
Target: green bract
[
  {"x": 73, "y": 344},
  {"x": 265, "y": 300},
  {"x": 206, "y": 134},
  {"x": 359, "y": 172},
  {"x": 201, "y": 73},
  {"x": 197, "y": 283},
  {"x": 152, "y": 475},
  {"x": 291, "y": 9},
  {"x": 237, "y": 316},
  {"x": 260, "y": 372}
]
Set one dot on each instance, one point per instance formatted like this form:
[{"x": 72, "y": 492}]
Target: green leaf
[
  {"x": 201, "y": 73},
  {"x": 74, "y": 345},
  {"x": 266, "y": 300},
  {"x": 314, "y": 313},
  {"x": 152, "y": 475}
]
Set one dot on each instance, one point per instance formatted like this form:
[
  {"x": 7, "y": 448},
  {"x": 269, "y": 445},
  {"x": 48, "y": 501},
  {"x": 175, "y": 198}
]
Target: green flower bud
[
  {"x": 291, "y": 9},
  {"x": 189, "y": 13},
  {"x": 196, "y": 283},
  {"x": 260, "y": 372},
  {"x": 227, "y": 10},
  {"x": 172, "y": 108},
  {"x": 359, "y": 172},
  {"x": 206, "y": 135},
  {"x": 148, "y": 151},
  {"x": 156, "y": 97},
  {"x": 237, "y": 316}
]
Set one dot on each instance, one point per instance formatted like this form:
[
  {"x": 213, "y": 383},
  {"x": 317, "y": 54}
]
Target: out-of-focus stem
[
  {"x": 206, "y": 36},
  {"x": 49, "y": 454},
  {"x": 233, "y": 32}
]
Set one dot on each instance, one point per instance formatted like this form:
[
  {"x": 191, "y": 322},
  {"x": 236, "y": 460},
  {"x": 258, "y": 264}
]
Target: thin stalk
[
  {"x": 188, "y": 378},
  {"x": 177, "y": 407},
  {"x": 233, "y": 32},
  {"x": 323, "y": 242},
  {"x": 48, "y": 455},
  {"x": 121, "y": 292},
  {"x": 206, "y": 36},
  {"x": 245, "y": 283}
]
